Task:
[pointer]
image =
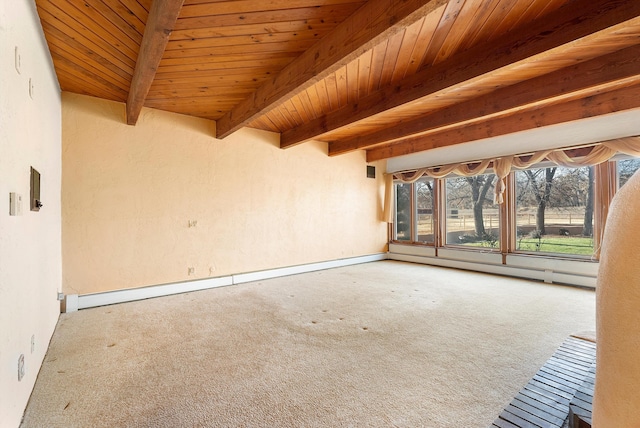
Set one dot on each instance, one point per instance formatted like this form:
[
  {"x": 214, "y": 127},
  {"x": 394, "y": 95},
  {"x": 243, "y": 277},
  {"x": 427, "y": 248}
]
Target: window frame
[
  {"x": 513, "y": 227},
  {"x": 445, "y": 218},
  {"x": 605, "y": 187}
]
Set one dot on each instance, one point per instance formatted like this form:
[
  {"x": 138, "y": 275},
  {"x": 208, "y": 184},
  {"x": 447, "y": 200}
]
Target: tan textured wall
[
  {"x": 616, "y": 400},
  {"x": 129, "y": 194}
]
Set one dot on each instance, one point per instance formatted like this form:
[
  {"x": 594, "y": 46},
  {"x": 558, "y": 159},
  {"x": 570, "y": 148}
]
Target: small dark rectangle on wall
[
  {"x": 371, "y": 171},
  {"x": 35, "y": 190}
]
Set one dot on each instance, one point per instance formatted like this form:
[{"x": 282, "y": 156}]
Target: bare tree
[
  {"x": 480, "y": 186},
  {"x": 587, "y": 228},
  {"x": 541, "y": 182}
]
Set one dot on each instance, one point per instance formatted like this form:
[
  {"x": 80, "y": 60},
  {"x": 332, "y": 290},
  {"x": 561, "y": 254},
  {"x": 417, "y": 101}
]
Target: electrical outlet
[
  {"x": 32, "y": 89},
  {"x": 193, "y": 223},
  {"x": 33, "y": 343},
  {"x": 20, "y": 367},
  {"x": 191, "y": 271}
]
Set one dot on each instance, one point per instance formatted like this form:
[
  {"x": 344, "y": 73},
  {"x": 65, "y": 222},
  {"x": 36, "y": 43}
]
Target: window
[
  {"x": 549, "y": 210},
  {"x": 472, "y": 217},
  {"x": 626, "y": 168},
  {"x": 425, "y": 208},
  {"x": 554, "y": 210},
  {"x": 415, "y": 211},
  {"x": 403, "y": 212}
]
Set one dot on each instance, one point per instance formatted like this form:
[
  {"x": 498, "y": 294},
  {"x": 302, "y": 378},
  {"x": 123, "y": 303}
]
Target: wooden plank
[
  {"x": 587, "y": 398},
  {"x": 332, "y": 52},
  {"x": 102, "y": 86},
  {"x": 546, "y": 408},
  {"x": 551, "y": 395},
  {"x": 203, "y": 62},
  {"x": 273, "y": 62},
  {"x": 565, "y": 374},
  {"x": 219, "y": 52},
  {"x": 111, "y": 74},
  {"x": 576, "y": 358},
  {"x": 266, "y": 17},
  {"x": 263, "y": 38},
  {"x": 560, "y": 388},
  {"x": 566, "y": 26},
  {"x": 162, "y": 18},
  {"x": 501, "y": 423},
  {"x": 586, "y": 405},
  {"x": 595, "y": 105},
  {"x": 536, "y": 411},
  {"x": 247, "y": 6},
  {"x": 464, "y": 22},
  {"x": 606, "y": 69},
  {"x": 390, "y": 59},
  {"x": 544, "y": 400},
  {"x": 564, "y": 367},
  {"x": 480, "y": 24},
  {"x": 311, "y": 25},
  {"x": 78, "y": 37},
  {"x": 516, "y": 420},
  {"x": 530, "y": 418},
  {"x": 441, "y": 32},
  {"x": 567, "y": 380},
  {"x": 89, "y": 23}
]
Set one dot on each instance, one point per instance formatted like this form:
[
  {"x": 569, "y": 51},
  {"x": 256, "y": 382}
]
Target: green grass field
[
  {"x": 557, "y": 244},
  {"x": 548, "y": 244}
]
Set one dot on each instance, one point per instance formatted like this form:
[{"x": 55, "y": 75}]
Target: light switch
[{"x": 15, "y": 203}]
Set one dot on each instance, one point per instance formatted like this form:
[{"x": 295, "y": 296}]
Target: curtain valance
[{"x": 502, "y": 166}]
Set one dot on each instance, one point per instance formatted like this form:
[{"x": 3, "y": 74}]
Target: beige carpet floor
[{"x": 385, "y": 344}]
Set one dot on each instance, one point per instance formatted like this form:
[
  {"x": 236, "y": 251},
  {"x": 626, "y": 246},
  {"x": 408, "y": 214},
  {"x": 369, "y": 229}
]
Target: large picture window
[
  {"x": 403, "y": 212},
  {"x": 414, "y": 220},
  {"x": 554, "y": 210},
  {"x": 551, "y": 203},
  {"x": 472, "y": 217},
  {"x": 424, "y": 210}
]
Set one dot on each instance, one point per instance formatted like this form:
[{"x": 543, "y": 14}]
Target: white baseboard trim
[
  {"x": 74, "y": 302},
  {"x": 546, "y": 275},
  {"x": 311, "y": 267}
]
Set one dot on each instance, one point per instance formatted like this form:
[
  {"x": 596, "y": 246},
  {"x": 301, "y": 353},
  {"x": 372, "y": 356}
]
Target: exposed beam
[
  {"x": 610, "y": 68},
  {"x": 575, "y": 20},
  {"x": 374, "y": 22},
  {"x": 603, "y": 103},
  {"x": 162, "y": 18}
]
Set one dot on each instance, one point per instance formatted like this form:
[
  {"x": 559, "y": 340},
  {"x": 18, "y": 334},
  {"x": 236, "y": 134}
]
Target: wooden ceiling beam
[
  {"x": 621, "y": 99},
  {"x": 574, "y": 21},
  {"x": 374, "y": 22},
  {"x": 162, "y": 18},
  {"x": 563, "y": 83}
]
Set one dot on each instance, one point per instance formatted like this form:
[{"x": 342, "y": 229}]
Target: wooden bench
[{"x": 561, "y": 384}]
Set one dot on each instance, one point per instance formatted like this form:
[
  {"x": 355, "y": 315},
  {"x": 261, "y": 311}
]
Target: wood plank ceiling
[{"x": 391, "y": 77}]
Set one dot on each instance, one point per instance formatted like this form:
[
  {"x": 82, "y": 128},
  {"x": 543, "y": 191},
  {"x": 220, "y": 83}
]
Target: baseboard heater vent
[{"x": 74, "y": 302}]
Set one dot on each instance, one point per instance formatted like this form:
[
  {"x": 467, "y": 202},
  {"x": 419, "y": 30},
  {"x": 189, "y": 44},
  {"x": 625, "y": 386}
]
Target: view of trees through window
[
  {"x": 424, "y": 215},
  {"x": 403, "y": 212},
  {"x": 554, "y": 210},
  {"x": 472, "y": 217},
  {"x": 626, "y": 168},
  {"x": 420, "y": 222}
]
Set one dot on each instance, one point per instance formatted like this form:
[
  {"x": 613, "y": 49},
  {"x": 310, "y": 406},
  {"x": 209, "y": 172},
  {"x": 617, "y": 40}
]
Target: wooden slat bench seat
[{"x": 565, "y": 381}]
